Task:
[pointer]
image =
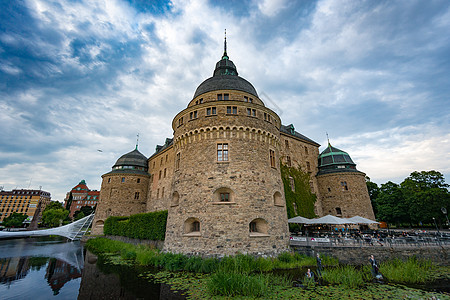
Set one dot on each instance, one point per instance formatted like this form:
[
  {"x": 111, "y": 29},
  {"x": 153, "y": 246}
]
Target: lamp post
[
  {"x": 444, "y": 211},
  {"x": 436, "y": 226}
]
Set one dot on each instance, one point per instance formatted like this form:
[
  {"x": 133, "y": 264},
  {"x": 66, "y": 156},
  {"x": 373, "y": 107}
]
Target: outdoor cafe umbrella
[
  {"x": 299, "y": 220},
  {"x": 329, "y": 219},
  {"x": 361, "y": 220}
]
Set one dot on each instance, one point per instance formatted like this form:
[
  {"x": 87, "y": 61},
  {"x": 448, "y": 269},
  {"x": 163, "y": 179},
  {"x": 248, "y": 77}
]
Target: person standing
[
  {"x": 374, "y": 265},
  {"x": 319, "y": 265}
]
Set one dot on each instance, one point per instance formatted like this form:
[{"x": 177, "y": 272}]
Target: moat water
[{"x": 51, "y": 268}]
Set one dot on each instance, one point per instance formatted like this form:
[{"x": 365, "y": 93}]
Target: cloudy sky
[{"x": 81, "y": 76}]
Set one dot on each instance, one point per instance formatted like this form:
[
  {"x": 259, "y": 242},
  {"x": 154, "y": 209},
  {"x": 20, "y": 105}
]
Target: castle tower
[
  {"x": 124, "y": 189},
  {"x": 342, "y": 187},
  {"x": 227, "y": 193}
]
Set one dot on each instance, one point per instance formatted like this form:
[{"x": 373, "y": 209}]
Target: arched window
[
  {"x": 258, "y": 227},
  {"x": 192, "y": 227},
  {"x": 175, "y": 199},
  {"x": 278, "y": 199}
]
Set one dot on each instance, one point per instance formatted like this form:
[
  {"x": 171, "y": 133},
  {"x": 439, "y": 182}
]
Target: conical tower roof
[
  {"x": 225, "y": 77},
  {"x": 333, "y": 160}
]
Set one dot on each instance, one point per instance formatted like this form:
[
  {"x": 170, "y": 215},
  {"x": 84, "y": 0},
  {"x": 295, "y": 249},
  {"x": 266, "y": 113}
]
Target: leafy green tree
[
  {"x": 390, "y": 204},
  {"x": 14, "y": 220},
  {"x": 54, "y": 217},
  {"x": 374, "y": 191},
  {"x": 426, "y": 193},
  {"x": 69, "y": 201},
  {"x": 54, "y": 205},
  {"x": 84, "y": 211}
]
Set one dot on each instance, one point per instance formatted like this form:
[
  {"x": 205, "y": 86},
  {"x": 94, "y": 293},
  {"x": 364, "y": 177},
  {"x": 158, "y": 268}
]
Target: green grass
[
  {"x": 410, "y": 271},
  {"x": 348, "y": 276},
  {"x": 234, "y": 284}
]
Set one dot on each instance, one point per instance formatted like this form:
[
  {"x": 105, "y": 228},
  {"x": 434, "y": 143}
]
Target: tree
[
  {"x": 54, "y": 217},
  {"x": 14, "y": 220},
  {"x": 390, "y": 204},
  {"x": 54, "y": 205},
  {"x": 374, "y": 191},
  {"x": 84, "y": 211},
  {"x": 69, "y": 202},
  {"x": 426, "y": 193}
]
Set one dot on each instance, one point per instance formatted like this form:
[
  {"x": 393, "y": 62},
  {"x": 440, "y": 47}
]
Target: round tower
[
  {"x": 228, "y": 194},
  {"x": 342, "y": 187},
  {"x": 124, "y": 189}
]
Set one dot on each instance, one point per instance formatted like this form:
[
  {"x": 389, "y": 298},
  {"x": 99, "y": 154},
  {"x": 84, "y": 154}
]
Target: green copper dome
[{"x": 333, "y": 160}]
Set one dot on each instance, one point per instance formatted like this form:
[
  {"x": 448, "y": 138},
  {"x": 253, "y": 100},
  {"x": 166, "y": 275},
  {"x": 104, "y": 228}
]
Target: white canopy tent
[
  {"x": 361, "y": 220},
  {"x": 329, "y": 219},
  {"x": 299, "y": 220}
]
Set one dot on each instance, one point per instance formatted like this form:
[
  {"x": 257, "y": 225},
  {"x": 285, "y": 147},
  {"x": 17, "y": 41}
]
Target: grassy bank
[{"x": 248, "y": 277}]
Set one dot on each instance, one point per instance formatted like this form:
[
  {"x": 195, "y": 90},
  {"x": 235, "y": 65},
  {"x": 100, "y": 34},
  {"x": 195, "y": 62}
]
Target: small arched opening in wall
[
  {"x": 192, "y": 227},
  {"x": 258, "y": 228},
  {"x": 175, "y": 201},
  {"x": 223, "y": 195},
  {"x": 278, "y": 199}
]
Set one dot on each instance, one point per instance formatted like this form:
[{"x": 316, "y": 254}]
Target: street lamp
[
  {"x": 436, "y": 226},
  {"x": 444, "y": 211}
]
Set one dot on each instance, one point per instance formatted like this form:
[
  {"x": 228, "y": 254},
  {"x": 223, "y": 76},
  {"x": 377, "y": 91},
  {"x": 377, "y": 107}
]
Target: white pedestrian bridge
[{"x": 73, "y": 231}]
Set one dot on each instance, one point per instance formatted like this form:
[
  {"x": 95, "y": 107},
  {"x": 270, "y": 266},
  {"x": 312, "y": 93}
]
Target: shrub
[
  {"x": 346, "y": 275},
  {"x": 149, "y": 226}
]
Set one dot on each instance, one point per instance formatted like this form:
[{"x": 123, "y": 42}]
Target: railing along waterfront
[{"x": 409, "y": 241}]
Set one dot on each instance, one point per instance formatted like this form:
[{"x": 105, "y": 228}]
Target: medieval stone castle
[{"x": 219, "y": 176}]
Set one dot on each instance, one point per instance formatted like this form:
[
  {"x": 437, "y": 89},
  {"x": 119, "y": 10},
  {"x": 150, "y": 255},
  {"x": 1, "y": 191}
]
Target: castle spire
[
  {"x": 137, "y": 141},
  {"x": 225, "y": 55}
]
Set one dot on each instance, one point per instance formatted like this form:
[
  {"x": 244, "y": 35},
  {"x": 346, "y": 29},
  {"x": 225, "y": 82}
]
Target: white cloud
[{"x": 271, "y": 8}]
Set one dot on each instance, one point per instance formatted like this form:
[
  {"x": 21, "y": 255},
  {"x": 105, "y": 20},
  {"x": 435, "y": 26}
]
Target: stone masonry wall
[
  {"x": 354, "y": 201},
  {"x": 161, "y": 167},
  {"x": 118, "y": 197},
  {"x": 302, "y": 154},
  {"x": 254, "y": 186}
]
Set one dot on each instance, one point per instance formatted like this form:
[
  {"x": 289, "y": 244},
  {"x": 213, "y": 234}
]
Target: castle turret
[
  {"x": 342, "y": 187},
  {"x": 227, "y": 193},
  {"x": 124, "y": 189}
]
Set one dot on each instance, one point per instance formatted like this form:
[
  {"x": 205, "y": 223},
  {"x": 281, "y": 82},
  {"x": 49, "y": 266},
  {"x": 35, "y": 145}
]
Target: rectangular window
[
  {"x": 250, "y": 100},
  {"x": 180, "y": 121},
  {"x": 338, "y": 211},
  {"x": 162, "y": 193},
  {"x": 161, "y": 161},
  {"x": 292, "y": 183},
  {"x": 224, "y": 197},
  {"x": 136, "y": 195},
  {"x": 288, "y": 161},
  {"x": 177, "y": 163},
  {"x": 193, "y": 115},
  {"x": 160, "y": 173},
  {"x": 245, "y": 99},
  {"x": 232, "y": 110},
  {"x": 138, "y": 180},
  {"x": 306, "y": 150},
  {"x": 200, "y": 101},
  {"x": 254, "y": 112},
  {"x": 157, "y": 194},
  {"x": 123, "y": 179},
  {"x": 222, "y": 152},
  {"x": 219, "y": 96},
  {"x": 165, "y": 171},
  {"x": 249, "y": 111},
  {"x": 272, "y": 158},
  {"x": 226, "y": 97},
  {"x": 344, "y": 185},
  {"x": 308, "y": 166},
  {"x": 211, "y": 111}
]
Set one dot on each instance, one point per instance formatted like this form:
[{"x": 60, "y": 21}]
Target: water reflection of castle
[{"x": 13, "y": 268}]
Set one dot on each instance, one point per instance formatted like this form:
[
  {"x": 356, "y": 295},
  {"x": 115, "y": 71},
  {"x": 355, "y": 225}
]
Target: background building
[
  {"x": 81, "y": 196},
  {"x": 23, "y": 201}
]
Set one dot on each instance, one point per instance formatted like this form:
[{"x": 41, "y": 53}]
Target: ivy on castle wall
[{"x": 300, "y": 195}]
